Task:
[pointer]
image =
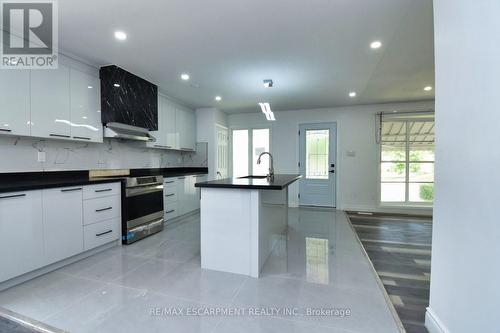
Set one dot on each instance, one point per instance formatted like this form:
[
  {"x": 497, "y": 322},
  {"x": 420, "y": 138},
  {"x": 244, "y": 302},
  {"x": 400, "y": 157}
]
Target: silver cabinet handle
[
  {"x": 81, "y": 137},
  {"x": 170, "y": 195},
  {"x": 181, "y": 178},
  {"x": 162, "y": 146},
  {"x": 190, "y": 149},
  {"x": 170, "y": 182},
  {"x": 5, "y": 130},
  {"x": 104, "y": 233},
  {"x": 71, "y": 189},
  {"x": 13, "y": 196},
  {"x": 103, "y": 209},
  {"x": 59, "y": 135},
  {"x": 170, "y": 211}
]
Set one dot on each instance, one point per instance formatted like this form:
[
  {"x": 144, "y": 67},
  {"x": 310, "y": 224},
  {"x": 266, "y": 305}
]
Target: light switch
[{"x": 42, "y": 156}]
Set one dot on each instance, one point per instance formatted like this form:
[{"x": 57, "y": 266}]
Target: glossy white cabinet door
[
  {"x": 50, "y": 103},
  {"x": 85, "y": 107},
  {"x": 186, "y": 128},
  {"x": 62, "y": 222},
  {"x": 15, "y": 102},
  {"x": 182, "y": 198},
  {"x": 198, "y": 179},
  {"x": 161, "y": 134},
  {"x": 170, "y": 124},
  {"x": 21, "y": 247}
]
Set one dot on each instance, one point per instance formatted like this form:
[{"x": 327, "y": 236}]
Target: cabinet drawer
[
  {"x": 170, "y": 197},
  {"x": 171, "y": 211},
  {"x": 100, "y": 209},
  {"x": 170, "y": 183},
  {"x": 101, "y": 190},
  {"x": 100, "y": 233}
]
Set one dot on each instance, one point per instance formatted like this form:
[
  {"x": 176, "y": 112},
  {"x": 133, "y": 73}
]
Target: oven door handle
[{"x": 132, "y": 192}]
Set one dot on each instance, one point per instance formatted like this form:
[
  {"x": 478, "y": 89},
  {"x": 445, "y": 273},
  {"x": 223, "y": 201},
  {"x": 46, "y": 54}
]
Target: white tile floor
[{"x": 319, "y": 264}]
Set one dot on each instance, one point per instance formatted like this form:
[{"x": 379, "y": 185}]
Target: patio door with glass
[{"x": 317, "y": 159}]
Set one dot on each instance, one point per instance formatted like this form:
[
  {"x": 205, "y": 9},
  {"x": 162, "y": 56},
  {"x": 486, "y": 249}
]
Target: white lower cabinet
[
  {"x": 100, "y": 209},
  {"x": 62, "y": 223},
  {"x": 100, "y": 233},
  {"x": 21, "y": 228},
  {"x": 180, "y": 195},
  {"x": 41, "y": 227}
]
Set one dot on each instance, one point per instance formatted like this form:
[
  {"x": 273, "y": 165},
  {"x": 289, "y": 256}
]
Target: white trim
[
  {"x": 433, "y": 323},
  {"x": 55, "y": 266},
  {"x": 337, "y": 158}
]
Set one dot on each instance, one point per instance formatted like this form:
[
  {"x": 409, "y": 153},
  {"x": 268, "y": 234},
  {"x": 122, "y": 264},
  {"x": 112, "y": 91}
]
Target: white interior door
[
  {"x": 222, "y": 152},
  {"x": 317, "y": 159}
]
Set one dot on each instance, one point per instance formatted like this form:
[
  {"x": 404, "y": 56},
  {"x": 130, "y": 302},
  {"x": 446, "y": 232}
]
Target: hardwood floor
[{"x": 400, "y": 250}]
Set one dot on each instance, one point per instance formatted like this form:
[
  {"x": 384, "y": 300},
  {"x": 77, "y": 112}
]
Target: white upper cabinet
[
  {"x": 185, "y": 120},
  {"x": 170, "y": 124},
  {"x": 176, "y": 126},
  {"x": 161, "y": 134},
  {"x": 85, "y": 114},
  {"x": 15, "y": 102},
  {"x": 50, "y": 103}
]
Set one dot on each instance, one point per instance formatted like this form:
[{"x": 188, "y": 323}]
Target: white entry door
[
  {"x": 222, "y": 152},
  {"x": 317, "y": 153}
]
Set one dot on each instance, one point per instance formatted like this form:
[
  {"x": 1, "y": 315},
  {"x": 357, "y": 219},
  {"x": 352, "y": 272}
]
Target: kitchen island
[{"x": 241, "y": 220}]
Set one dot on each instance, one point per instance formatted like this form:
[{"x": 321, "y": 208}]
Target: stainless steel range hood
[{"x": 127, "y": 132}]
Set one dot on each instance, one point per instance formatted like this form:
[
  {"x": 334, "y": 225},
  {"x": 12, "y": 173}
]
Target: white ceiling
[{"x": 316, "y": 51}]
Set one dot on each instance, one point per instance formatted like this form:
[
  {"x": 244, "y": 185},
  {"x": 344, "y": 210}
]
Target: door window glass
[{"x": 317, "y": 148}]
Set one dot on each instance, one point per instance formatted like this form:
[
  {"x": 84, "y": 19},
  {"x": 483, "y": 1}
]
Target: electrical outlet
[{"x": 42, "y": 156}]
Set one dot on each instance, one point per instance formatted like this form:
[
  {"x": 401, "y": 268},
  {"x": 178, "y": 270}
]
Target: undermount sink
[{"x": 252, "y": 177}]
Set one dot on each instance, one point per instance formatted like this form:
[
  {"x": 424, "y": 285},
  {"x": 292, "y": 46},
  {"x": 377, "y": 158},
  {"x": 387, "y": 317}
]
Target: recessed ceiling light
[
  {"x": 90, "y": 87},
  {"x": 376, "y": 44},
  {"x": 352, "y": 94},
  {"x": 116, "y": 85},
  {"x": 185, "y": 76},
  {"x": 120, "y": 35},
  {"x": 218, "y": 98},
  {"x": 428, "y": 88}
]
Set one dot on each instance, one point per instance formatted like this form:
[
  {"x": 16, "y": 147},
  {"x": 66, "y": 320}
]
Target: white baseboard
[{"x": 433, "y": 324}]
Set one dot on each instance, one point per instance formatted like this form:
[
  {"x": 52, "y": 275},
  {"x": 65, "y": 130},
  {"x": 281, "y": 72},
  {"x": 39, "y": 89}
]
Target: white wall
[
  {"x": 465, "y": 290},
  {"x": 206, "y": 121},
  {"x": 357, "y": 176}
]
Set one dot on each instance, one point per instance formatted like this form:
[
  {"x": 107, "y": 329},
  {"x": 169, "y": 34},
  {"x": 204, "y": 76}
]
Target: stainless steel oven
[{"x": 142, "y": 208}]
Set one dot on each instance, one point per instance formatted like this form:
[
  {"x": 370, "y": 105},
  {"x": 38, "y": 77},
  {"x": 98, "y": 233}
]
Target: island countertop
[{"x": 279, "y": 182}]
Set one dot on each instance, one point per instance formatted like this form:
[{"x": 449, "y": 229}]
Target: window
[
  {"x": 317, "y": 154},
  {"x": 260, "y": 144},
  {"x": 246, "y": 142},
  {"x": 240, "y": 153},
  {"x": 407, "y": 161}
]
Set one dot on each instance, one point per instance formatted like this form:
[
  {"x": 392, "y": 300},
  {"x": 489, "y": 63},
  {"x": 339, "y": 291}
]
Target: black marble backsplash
[{"x": 128, "y": 99}]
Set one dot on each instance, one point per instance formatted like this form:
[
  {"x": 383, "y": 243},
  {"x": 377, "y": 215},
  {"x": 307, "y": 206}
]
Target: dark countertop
[
  {"x": 25, "y": 181},
  {"x": 280, "y": 182}
]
